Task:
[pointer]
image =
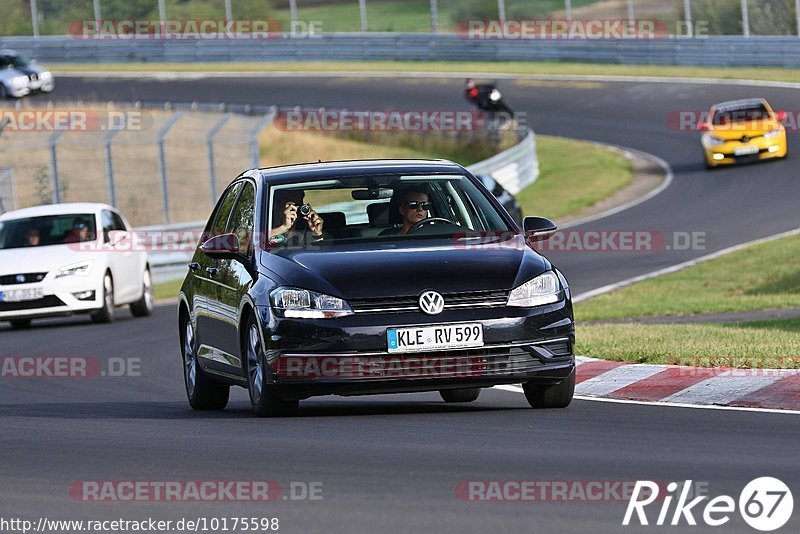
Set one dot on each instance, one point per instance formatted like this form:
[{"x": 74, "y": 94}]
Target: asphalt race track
[{"x": 393, "y": 463}]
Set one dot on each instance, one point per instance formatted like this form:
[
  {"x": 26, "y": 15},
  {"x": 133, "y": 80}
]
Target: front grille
[
  {"x": 34, "y": 77},
  {"x": 27, "y": 278},
  {"x": 50, "y": 301},
  {"x": 472, "y": 299}
]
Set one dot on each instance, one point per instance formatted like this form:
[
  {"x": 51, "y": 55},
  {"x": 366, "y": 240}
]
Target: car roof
[
  {"x": 309, "y": 172},
  {"x": 66, "y": 208},
  {"x": 732, "y": 105},
  {"x": 8, "y": 52}
]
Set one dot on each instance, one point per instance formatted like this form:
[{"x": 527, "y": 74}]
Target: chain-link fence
[
  {"x": 157, "y": 165},
  {"x": 685, "y": 17}
]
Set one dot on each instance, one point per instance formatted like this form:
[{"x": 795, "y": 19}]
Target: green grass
[
  {"x": 415, "y": 15},
  {"x": 476, "y": 68},
  {"x": 167, "y": 290},
  {"x": 764, "y": 276},
  {"x": 573, "y": 176},
  {"x": 770, "y": 344}
]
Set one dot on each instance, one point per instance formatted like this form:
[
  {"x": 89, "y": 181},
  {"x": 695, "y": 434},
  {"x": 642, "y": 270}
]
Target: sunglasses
[{"x": 416, "y": 205}]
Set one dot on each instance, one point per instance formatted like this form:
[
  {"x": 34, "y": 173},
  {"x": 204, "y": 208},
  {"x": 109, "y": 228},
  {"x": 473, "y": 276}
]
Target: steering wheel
[{"x": 430, "y": 221}]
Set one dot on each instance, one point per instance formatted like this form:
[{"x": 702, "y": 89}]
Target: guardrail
[
  {"x": 514, "y": 169},
  {"x": 729, "y": 51}
]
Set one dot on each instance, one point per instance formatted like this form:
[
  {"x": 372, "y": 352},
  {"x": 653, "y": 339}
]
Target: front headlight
[
  {"x": 544, "y": 289},
  {"x": 46, "y": 75},
  {"x": 495, "y": 95},
  {"x": 76, "y": 269},
  {"x": 772, "y": 133},
  {"x": 715, "y": 141},
  {"x": 304, "y": 304},
  {"x": 19, "y": 80}
]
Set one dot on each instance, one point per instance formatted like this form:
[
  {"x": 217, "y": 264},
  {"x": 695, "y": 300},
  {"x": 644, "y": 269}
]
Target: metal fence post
[
  {"x": 631, "y": 14},
  {"x": 501, "y": 9},
  {"x": 568, "y": 8},
  {"x": 362, "y": 8},
  {"x": 212, "y": 171},
  {"x": 687, "y": 15},
  {"x": 228, "y": 11},
  {"x": 745, "y": 19},
  {"x": 260, "y": 125},
  {"x": 55, "y": 184},
  {"x": 797, "y": 15},
  {"x": 35, "y": 18},
  {"x": 434, "y": 16},
  {"x": 292, "y": 15},
  {"x": 162, "y": 161},
  {"x": 97, "y": 16},
  {"x": 112, "y": 186}
]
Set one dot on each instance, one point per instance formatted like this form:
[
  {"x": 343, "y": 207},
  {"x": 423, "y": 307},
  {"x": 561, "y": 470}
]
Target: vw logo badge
[
  {"x": 20, "y": 278},
  {"x": 745, "y": 139},
  {"x": 431, "y": 302}
]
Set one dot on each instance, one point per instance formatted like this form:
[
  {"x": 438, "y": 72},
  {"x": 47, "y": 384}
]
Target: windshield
[
  {"x": 752, "y": 112},
  {"x": 13, "y": 61},
  {"x": 379, "y": 208},
  {"x": 46, "y": 231}
]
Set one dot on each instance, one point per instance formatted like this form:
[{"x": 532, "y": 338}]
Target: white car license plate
[
  {"x": 19, "y": 295},
  {"x": 745, "y": 150},
  {"x": 435, "y": 337}
]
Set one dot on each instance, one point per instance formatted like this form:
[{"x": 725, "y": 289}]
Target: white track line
[
  {"x": 617, "y": 378},
  {"x": 518, "y": 389}
]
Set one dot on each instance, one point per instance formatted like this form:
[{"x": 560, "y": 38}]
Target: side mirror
[
  {"x": 223, "y": 247},
  {"x": 118, "y": 237},
  {"x": 780, "y": 115},
  {"x": 538, "y": 228}
]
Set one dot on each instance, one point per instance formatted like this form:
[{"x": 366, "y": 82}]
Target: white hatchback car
[{"x": 64, "y": 259}]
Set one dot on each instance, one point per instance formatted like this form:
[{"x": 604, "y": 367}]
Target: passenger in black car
[{"x": 291, "y": 217}]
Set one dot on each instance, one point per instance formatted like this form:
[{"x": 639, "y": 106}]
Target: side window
[
  {"x": 119, "y": 224},
  {"x": 221, "y": 215},
  {"x": 108, "y": 225},
  {"x": 243, "y": 218}
]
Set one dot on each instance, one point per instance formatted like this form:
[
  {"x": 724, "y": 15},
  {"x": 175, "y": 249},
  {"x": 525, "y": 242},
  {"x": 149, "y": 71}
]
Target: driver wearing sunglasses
[{"x": 414, "y": 206}]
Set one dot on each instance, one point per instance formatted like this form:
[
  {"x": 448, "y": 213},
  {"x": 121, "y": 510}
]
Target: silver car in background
[{"x": 19, "y": 76}]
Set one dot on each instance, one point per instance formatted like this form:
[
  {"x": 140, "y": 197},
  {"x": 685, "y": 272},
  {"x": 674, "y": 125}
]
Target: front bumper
[
  {"x": 725, "y": 154},
  {"x": 59, "y": 298},
  {"x": 349, "y": 356}
]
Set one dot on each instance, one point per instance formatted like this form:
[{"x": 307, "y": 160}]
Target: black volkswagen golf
[{"x": 371, "y": 277}]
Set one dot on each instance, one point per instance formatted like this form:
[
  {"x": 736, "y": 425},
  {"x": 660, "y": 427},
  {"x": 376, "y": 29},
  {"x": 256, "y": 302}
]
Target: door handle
[
  {"x": 213, "y": 271},
  {"x": 194, "y": 266}
]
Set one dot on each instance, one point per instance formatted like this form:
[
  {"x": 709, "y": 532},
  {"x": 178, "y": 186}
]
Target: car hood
[
  {"x": 30, "y": 68},
  {"x": 741, "y": 129},
  {"x": 381, "y": 270},
  {"x": 42, "y": 259}
]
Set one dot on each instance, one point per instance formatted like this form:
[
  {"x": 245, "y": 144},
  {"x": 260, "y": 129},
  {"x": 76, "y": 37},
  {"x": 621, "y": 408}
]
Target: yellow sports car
[{"x": 741, "y": 131}]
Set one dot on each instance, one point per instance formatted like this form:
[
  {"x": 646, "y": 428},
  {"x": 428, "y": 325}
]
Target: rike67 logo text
[{"x": 765, "y": 504}]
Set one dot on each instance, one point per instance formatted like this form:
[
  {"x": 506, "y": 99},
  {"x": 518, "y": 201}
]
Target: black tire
[
  {"x": 555, "y": 396},
  {"x": 460, "y": 395},
  {"x": 264, "y": 401},
  {"x": 106, "y": 313},
  {"x": 20, "y": 324},
  {"x": 144, "y": 306},
  {"x": 203, "y": 394}
]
